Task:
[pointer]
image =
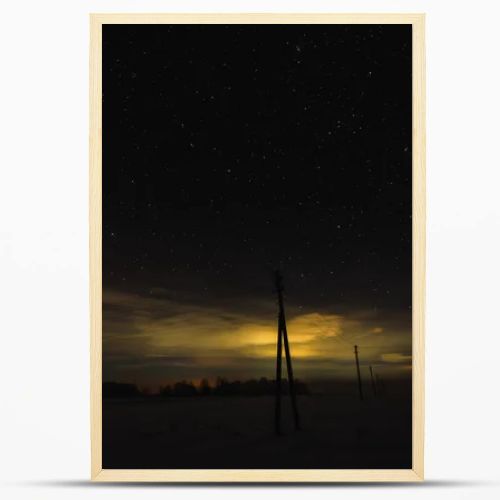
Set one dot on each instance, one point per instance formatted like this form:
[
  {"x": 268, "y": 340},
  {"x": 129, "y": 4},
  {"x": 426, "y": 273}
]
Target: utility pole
[
  {"x": 283, "y": 337},
  {"x": 374, "y": 386},
  {"x": 277, "y": 406},
  {"x": 359, "y": 373}
]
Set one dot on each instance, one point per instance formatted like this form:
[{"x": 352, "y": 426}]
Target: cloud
[
  {"x": 395, "y": 357},
  {"x": 164, "y": 333}
]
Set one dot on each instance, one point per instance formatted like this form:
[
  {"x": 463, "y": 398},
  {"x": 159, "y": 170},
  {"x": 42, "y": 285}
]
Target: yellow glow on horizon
[{"x": 199, "y": 339}]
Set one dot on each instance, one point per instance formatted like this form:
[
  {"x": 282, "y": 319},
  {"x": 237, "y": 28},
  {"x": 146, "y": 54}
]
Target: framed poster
[{"x": 257, "y": 245}]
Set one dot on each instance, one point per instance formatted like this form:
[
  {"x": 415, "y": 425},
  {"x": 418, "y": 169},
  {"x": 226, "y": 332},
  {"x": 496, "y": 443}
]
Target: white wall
[{"x": 44, "y": 378}]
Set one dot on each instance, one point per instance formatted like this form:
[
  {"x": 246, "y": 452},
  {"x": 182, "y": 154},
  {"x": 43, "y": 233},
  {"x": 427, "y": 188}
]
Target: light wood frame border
[{"x": 416, "y": 473}]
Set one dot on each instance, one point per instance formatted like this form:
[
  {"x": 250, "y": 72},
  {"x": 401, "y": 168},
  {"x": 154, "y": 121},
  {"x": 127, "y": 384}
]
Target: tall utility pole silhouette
[
  {"x": 283, "y": 336},
  {"x": 359, "y": 373},
  {"x": 374, "y": 386}
]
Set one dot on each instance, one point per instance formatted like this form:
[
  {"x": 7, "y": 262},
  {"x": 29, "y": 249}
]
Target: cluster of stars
[{"x": 259, "y": 148}]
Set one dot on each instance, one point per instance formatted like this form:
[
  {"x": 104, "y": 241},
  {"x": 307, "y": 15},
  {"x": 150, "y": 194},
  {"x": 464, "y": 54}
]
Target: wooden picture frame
[{"x": 418, "y": 228}]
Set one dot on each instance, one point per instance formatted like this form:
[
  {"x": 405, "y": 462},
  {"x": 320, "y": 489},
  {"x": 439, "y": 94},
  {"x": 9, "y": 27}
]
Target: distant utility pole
[
  {"x": 283, "y": 336},
  {"x": 359, "y": 373},
  {"x": 374, "y": 386}
]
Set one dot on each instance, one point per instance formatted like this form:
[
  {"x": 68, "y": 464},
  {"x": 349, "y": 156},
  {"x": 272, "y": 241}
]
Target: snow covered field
[{"x": 338, "y": 431}]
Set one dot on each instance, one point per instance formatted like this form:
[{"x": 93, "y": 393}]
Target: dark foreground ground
[{"x": 339, "y": 431}]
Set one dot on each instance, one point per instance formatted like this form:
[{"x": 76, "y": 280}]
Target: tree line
[{"x": 221, "y": 387}]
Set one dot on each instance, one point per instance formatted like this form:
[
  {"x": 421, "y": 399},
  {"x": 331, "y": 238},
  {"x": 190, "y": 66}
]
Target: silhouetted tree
[
  {"x": 166, "y": 391},
  {"x": 184, "y": 388},
  {"x": 205, "y": 388},
  {"x": 119, "y": 390}
]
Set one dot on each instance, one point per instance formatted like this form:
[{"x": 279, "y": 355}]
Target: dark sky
[{"x": 230, "y": 151}]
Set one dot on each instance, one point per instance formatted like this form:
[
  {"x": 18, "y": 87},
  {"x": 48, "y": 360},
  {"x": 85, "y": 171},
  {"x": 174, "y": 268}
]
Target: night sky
[{"x": 231, "y": 151}]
